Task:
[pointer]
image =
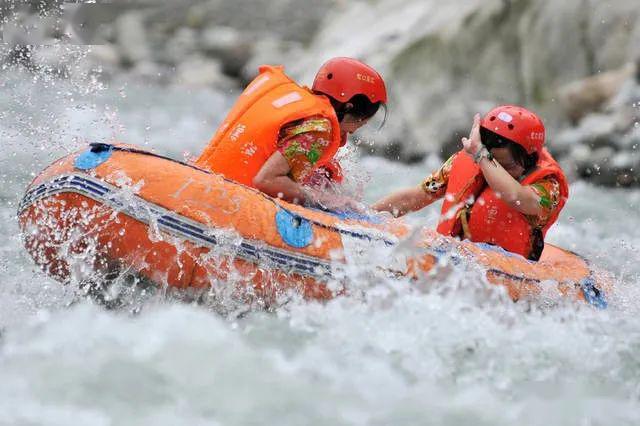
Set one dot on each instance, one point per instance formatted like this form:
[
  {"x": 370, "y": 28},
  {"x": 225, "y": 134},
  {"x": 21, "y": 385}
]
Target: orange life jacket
[
  {"x": 473, "y": 210},
  {"x": 249, "y": 134}
]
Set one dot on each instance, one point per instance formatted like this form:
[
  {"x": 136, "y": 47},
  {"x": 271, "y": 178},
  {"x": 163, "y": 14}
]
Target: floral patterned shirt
[
  {"x": 548, "y": 189},
  {"x": 302, "y": 143}
]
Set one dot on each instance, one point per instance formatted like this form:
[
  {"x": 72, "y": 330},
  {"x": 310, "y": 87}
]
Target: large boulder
[
  {"x": 228, "y": 44},
  {"x": 591, "y": 94},
  {"x": 440, "y": 59},
  {"x": 169, "y": 33},
  {"x": 604, "y": 146},
  {"x": 197, "y": 71},
  {"x": 285, "y": 19},
  {"x": 132, "y": 38}
]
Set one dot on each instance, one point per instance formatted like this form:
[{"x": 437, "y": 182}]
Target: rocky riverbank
[
  {"x": 603, "y": 144},
  {"x": 572, "y": 61}
]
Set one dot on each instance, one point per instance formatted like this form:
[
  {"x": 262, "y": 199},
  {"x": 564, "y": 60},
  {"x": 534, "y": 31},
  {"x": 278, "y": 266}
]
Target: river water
[{"x": 449, "y": 352}]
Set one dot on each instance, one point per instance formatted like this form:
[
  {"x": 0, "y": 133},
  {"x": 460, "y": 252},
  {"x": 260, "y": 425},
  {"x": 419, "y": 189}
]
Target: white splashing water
[{"x": 446, "y": 352}]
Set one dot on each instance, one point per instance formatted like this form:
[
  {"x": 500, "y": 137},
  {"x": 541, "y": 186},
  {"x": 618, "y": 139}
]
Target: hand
[
  {"x": 343, "y": 203},
  {"x": 318, "y": 179},
  {"x": 332, "y": 201},
  {"x": 472, "y": 144},
  {"x": 349, "y": 204}
]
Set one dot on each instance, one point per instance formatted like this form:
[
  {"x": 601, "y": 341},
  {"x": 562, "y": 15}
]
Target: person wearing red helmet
[
  {"x": 502, "y": 188},
  {"x": 281, "y": 137}
]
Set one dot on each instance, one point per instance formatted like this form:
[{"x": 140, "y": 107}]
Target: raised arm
[{"x": 522, "y": 198}]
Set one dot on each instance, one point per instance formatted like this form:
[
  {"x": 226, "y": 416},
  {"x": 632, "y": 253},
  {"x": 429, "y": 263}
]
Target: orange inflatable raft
[{"x": 117, "y": 208}]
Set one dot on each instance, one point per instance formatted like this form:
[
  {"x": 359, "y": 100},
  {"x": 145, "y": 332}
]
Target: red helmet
[
  {"x": 516, "y": 124},
  {"x": 343, "y": 78}
]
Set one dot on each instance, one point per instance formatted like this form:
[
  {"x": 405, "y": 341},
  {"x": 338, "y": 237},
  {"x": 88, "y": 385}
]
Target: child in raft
[
  {"x": 502, "y": 188},
  {"x": 281, "y": 138}
]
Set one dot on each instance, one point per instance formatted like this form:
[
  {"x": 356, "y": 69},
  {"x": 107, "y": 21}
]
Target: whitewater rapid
[{"x": 451, "y": 351}]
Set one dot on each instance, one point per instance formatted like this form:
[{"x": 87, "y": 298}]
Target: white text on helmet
[
  {"x": 537, "y": 136},
  {"x": 366, "y": 78}
]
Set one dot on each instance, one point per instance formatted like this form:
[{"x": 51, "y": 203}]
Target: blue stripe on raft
[
  {"x": 38, "y": 191},
  {"x": 174, "y": 224},
  {"x": 591, "y": 293},
  {"x": 88, "y": 183},
  {"x": 99, "y": 190},
  {"x": 187, "y": 231}
]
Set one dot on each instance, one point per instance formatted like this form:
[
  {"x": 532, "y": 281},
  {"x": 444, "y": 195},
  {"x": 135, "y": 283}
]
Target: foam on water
[{"x": 448, "y": 351}]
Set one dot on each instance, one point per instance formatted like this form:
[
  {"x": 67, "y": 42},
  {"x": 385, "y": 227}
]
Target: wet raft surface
[{"x": 120, "y": 208}]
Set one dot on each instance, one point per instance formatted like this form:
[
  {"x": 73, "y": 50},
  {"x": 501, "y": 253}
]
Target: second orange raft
[{"x": 115, "y": 207}]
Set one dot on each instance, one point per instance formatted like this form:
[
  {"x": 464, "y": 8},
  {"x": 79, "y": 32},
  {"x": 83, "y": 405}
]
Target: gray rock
[
  {"x": 442, "y": 58},
  {"x": 565, "y": 141},
  {"x": 442, "y": 62},
  {"x": 148, "y": 71},
  {"x": 581, "y": 97},
  {"x": 92, "y": 23},
  {"x": 601, "y": 130},
  {"x": 601, "y": 157},
  {"x": 183, "y": 44},
  {"x": 606, "y": 167},
  {"x": 595, "y": 130},
  {"x": 105, "y": 54},
  {"x": 199, "y": 71},
  {"x": 27, "y": 28},
  {"x": 626, "y": 160},
  {"x": 132, "y": 38},
  {"x": 596, "y": 167},
  {"x": 274, "y": 51},
  {"x": 625, "y": 168},
  {"x": 581, "y": 154},
  {"x": 631, "y": 140},
  {"x": 289, "y": 20},
  {"x": 628, "y": 95},
  {"x": 228, "y": 45},
  {"x": 615, "y": 139}
]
